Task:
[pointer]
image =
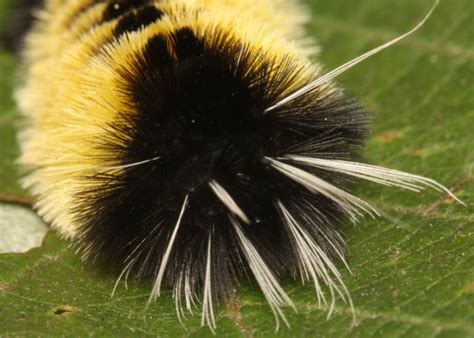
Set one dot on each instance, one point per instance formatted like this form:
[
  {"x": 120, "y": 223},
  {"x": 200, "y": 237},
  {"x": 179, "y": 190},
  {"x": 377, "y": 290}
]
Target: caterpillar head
[{"x": 192, "y": 122}]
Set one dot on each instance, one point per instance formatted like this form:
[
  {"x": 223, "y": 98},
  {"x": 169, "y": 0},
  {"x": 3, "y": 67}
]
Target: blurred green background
[{"x": 413, "y": 269}]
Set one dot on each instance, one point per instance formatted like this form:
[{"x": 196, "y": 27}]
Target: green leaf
[
  {"x": 413, "y": 269},
  {"x": 8, "y": 117}
]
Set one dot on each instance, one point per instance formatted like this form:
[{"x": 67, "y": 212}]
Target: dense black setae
[{"x": 203, "y": 115}]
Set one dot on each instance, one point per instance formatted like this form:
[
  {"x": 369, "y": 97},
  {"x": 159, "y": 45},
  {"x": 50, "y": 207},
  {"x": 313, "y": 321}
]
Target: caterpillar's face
[{"x": 199, "y": 129}]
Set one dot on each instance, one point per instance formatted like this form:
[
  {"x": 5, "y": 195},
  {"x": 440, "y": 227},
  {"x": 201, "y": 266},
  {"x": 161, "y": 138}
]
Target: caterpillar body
[{"x": 193, "y": 142}]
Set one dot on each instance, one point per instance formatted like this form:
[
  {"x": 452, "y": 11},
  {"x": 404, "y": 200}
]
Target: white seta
[
  {"x": 385, "y": 176},
  {"x": 155, "y": 292},
  {"x": 273, "y": 292},
  {"x": 228, "y": 201},
  {"x": 207, "y": 303},
  {"x": 348, "y": 65}
]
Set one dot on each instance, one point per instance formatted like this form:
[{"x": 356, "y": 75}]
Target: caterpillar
[{"x": 195, "y": 142}]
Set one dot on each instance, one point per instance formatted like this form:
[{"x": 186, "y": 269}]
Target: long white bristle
[
  {"x": 351, "y": 204},
  {"x": 313, "y": 220},
  {"x": 155, "y": 292},
  {"x": 272, "y": 291},
  {"x": 389, "y": 177},
  {"x": 228, "y": 201},
  {"x": 207, "y": 304},
  {"x": 316, "y": 261},
  {"x": 177, "y": 295},
  {"x": 348, "y": 65},
  {"x": 131, "y": 165},
  {"x": 190, "y": 303}
]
